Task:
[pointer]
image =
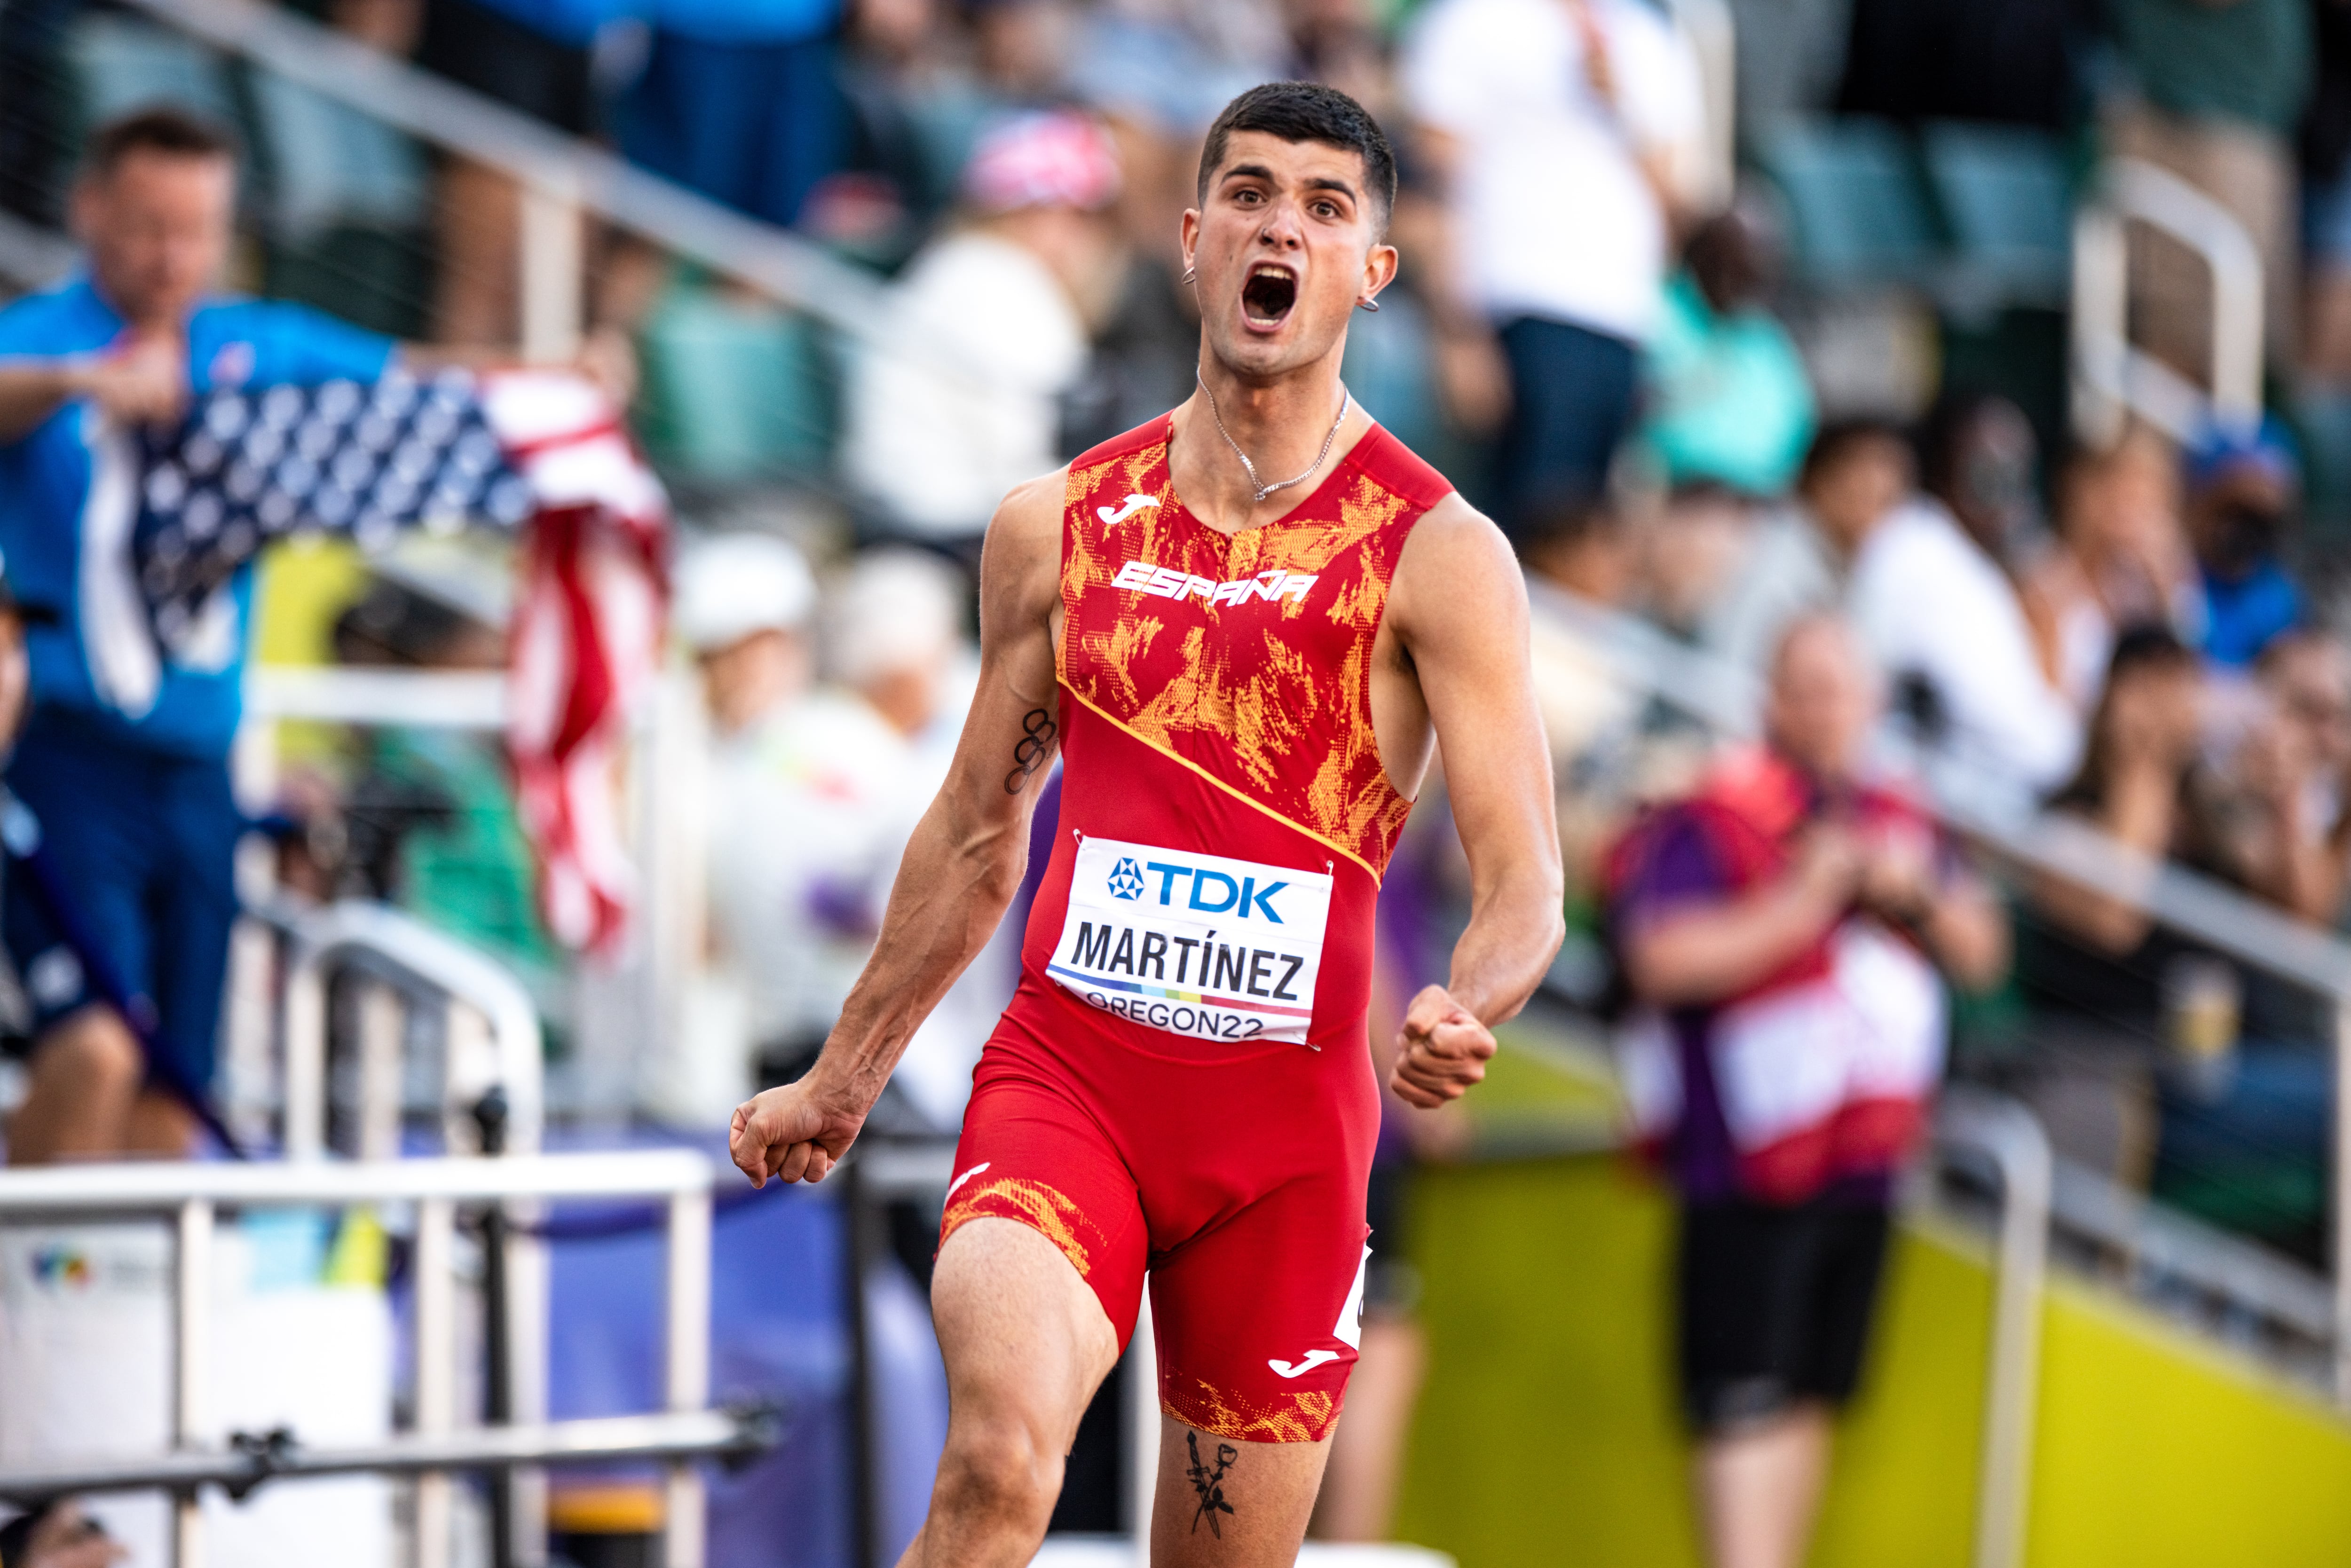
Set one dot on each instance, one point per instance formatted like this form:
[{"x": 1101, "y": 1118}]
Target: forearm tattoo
[
  {"x": 1032, "y": 751},
  {"x": 1209, "y": 1483}
]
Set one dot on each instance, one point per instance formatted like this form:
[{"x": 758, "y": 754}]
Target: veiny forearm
[
  {"x": 1707, "y": 953},
  {"x": 31, "y": 392},
  {"x": 959, "y": 874},
  {"x": 1515, "y": 929}
]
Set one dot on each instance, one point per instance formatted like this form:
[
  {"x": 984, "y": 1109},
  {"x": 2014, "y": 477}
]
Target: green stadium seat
[
  {"x": 734, "y": 391},
  {"x": 2007, "y": 204},
  {"x": 119, "y": 64},
  {"x": 1858, "y": 210}
]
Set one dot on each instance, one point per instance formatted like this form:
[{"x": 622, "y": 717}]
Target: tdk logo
[{"x": 1198, "y": 888}]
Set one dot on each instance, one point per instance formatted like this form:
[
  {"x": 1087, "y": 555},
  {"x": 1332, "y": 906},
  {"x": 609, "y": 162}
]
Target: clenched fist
[
  {"x": 796, "y": 1131},
  {"x": 1441, "y": 1051}
]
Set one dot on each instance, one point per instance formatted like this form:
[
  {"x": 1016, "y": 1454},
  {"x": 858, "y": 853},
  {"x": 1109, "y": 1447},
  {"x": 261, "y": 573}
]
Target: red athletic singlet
[{"x": 1182, "y": 1081}]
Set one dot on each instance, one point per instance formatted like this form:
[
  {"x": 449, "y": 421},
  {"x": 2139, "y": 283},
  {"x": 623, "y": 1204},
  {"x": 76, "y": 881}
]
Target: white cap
[
  {"x": 732, "y": 585},
  {"x": 896, "y": 610}
]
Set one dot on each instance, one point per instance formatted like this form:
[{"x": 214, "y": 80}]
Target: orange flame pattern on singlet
[{"x": 1272, "y": 699}]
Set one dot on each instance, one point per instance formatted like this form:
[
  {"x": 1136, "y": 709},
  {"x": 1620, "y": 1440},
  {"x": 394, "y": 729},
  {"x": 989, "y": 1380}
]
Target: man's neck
[{"x": 1283, "y": 423}]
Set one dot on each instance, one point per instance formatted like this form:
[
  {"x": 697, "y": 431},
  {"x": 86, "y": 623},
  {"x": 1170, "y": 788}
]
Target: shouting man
[{"x": 1244, "y": 626}]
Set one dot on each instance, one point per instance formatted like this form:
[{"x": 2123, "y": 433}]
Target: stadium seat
[
  {"x": 119, "y": 64},
  {"x": 1859, "y": 213},
  {"x": 734, "y": 391},
  {"x": 2005, "y": 201},
  {"x": 326, "y": 164}
]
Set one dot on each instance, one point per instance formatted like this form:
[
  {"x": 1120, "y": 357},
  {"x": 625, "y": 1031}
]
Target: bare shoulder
[
  {"x": 1021, "y": 564},
  {"x": 1456, "y": 569}
]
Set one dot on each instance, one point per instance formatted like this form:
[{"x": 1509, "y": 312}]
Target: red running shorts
[{"x": 1235, "y": 1177}]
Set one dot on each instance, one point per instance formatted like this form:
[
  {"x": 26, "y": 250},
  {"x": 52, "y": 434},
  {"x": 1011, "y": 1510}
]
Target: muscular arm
[
  {"x": 961, "y": 868},
  {"x": 1458, "y": 610}
]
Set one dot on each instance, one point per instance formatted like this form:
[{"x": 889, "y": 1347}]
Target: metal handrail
[
  {"x": 2005, "y": 1134},
  {"x": 381, "y": 934},
  {"x": 1727, "y": 697},
  {"x": 2110, "y": 375},
  {"x": 568, "y": 172},
  {"x": 339, "y": 694},
  {"x": 193, "y": 1194}
]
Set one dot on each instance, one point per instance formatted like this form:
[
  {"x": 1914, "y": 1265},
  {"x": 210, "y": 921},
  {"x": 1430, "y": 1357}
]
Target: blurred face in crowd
[
  {"x": 1824, "y": 699},
  {"x": 1853, "y": 488},
  {"x": 1989, "y": 481},
  {"x": 2308, "y": 677},
  {"x": 1285, "y": 241},
  {"x": 2119, "y": 513},
  {"x": 158, "y": 226},
  {"x": 16, "y": 676},
  {"x": 2152, "y": 715},
  {"x": 2238, "y": 519},
  {"x": 751, "y": 678}
]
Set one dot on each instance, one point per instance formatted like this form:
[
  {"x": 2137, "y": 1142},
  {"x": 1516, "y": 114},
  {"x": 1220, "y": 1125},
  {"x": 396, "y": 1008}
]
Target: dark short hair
[
  {"x": 1307, "y": 111},
  {"x": 159, "y": 127},
  {"x": 1840, "y": 437}
]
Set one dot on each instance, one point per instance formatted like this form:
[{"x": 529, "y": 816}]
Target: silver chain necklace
[{"x": 1261, "y": 491}]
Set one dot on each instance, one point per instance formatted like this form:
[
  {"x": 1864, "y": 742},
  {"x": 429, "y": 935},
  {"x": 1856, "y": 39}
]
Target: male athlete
[{"x": 1244, "y": 625}]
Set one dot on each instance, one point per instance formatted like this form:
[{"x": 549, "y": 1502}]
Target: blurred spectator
[
  {"x": 124, "y": 761},
  {"x": 1587, "y": 551},
  {"x": 532, "y": 55},
  {"x": 2242, "y": 488},
  {"x": 808, "y": 787},
  {"x": 2121, "y": 558},
  {"x": 1338, "y": 43},
  {"x": 1942, "y": 621},
  {"x": 1727, "y": 396},
  {"x": 897, "y": 638},
  {"x": 1782, "y": 930},
  {"x": 1980, "y": 460},
  {"x": 739, "y": 100},
  {"x": 2214, "y": 90},
  {"x": 955, "y": 402},
  {"x": 58, "y": 1535},
  {"x": 1553, "y": 128}
]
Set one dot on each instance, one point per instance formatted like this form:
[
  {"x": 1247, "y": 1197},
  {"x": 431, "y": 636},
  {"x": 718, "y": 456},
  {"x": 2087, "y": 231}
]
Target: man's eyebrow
[
  {"x": 1246, "y": 171},
  {"x": 1331, "y": 182}
]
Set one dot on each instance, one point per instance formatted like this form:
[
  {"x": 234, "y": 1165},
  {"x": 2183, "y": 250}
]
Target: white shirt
[
  {"x": 956, "y": 405},
  {"x": 1555, "y": 217},
  {"x": 1927, "y": 600},
  {"x": 808, "y": 806}
]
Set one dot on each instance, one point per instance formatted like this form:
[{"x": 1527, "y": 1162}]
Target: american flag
[{"x": 542, "y": 450}]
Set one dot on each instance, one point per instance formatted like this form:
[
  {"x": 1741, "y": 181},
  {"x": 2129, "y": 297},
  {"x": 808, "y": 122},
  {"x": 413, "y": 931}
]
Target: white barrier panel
[{"x": 86, "y": 1373}]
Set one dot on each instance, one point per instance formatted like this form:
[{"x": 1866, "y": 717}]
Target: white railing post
[
  {"x": 686, "y": 1368},
  {"x": 2008, "y": 1135},
  {"x": 552, "y": 267},
  {"x": 1141, "y": 1429},
  {"x": 192, "y": 1294},
  {"x": 437, "y": 1370}
]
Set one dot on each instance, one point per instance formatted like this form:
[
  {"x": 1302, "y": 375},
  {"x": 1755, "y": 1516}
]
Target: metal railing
[
  {"x": 2112, "y": 377},
  {"x": 1972, "y": 1126},
  {"x": 196, "y": 1193},
  {"x": 1725, "y": 698}
]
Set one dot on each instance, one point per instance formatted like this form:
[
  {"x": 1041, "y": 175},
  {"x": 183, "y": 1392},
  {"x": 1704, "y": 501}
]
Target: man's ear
[{"x": 1379, "y": 269}]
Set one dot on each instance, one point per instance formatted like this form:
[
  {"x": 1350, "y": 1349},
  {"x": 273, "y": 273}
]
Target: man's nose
[{"x": 1282, "y": 229}]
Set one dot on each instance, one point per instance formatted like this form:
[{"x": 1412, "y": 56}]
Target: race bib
[{"x": 1193, "y": 944}]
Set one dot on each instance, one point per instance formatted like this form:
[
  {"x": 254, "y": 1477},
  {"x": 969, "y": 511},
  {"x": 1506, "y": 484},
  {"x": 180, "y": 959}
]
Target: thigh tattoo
[{"x": 1209, "y": 1483}]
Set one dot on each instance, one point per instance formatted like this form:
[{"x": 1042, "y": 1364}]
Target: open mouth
[{"x": 1268, "y": 294}]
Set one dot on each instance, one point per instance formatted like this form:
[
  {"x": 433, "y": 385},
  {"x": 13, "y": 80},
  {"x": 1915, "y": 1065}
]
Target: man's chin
[{"x": 1266, "y": 355}]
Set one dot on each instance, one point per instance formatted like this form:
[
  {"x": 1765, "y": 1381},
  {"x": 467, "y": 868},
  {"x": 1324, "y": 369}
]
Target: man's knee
[
  {"x": 1001, "y": 1471},
  {"x": 93, "y": 1051}
]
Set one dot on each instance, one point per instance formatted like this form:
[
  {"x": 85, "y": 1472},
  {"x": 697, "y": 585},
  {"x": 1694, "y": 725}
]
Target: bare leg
[
  {"x": 1025, "y": 1344},
  {"x": 480, "y": 233},
  {"x": 1223, "y": 1504},
  {"x": 1759, "y": 1488},
  {"x": 87, "y": 1070},
  {"x": 1367, "y": 1447},
  {"x": 159, "y": 1126}
]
